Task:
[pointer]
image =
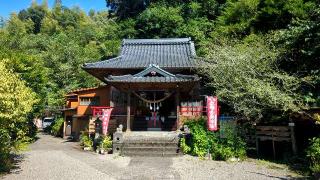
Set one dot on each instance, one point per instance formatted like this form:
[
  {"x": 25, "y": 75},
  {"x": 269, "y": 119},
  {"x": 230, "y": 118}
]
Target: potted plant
[
  {"x": 86, "y": 141},
  {"x": 105, "y": 144}
]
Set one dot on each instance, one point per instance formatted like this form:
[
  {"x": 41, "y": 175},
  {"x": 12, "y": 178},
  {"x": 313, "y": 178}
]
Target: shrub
[
  {"x": 313, "y": 152},
  {"x": 231, "y": 145},
  {"x": 88, "y": 142},
  {"x": 5, "y": 162},
  {"x": 85, "y": 140},
  {"x": 199, "y": 140},
  {"x": 203, "y": 141},
  {"x": 184, "y": 147},
  {"x": 105, "y": 143},
  {"x": 56, "y": 127}
]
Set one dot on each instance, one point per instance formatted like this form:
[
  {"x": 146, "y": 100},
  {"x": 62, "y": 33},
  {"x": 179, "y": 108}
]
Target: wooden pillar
[
  {"x": 128, "y": 111},
  {"x": 178, "y": 107},
  {"x": 64, "y": 126},
  {"x": 257, "y": 140},
  {"x": 273, "y": 145},
  {"x": 293, "y": 138}
]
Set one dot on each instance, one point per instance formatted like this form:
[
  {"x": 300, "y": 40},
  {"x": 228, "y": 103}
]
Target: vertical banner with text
[
  {"x": 106, "y": 113},
  {"x": 212, "y": 113}
]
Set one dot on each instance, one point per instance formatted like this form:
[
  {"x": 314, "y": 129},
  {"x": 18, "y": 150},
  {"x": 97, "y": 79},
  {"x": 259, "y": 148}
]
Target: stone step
[
  {"x": 151, "y": 149},
  {"x": 158, "y": 144},
  {"x": 144, "y": 152},
  {"x": 151, "y": 140},
  {"x": 152, "y": 143}
]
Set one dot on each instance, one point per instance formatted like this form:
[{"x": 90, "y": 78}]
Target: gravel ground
[
  {"x": 54, "y": 158},
  {"x": 192, "y": 168}
]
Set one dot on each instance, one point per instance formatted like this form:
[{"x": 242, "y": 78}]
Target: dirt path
[{"x": 54, "y": 158}]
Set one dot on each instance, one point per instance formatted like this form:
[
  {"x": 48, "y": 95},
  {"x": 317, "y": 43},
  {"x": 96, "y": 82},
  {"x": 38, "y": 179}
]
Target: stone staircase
[{"x": 150, "y": 143}]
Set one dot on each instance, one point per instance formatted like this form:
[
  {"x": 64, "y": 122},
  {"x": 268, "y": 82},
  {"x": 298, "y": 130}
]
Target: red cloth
[
  {"x": 106, "y": 113},
  {"x": 212, "y": 113}
]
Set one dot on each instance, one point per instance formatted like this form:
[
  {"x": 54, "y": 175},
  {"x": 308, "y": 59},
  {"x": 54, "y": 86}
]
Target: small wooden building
[
  {"x": 78, "y": 112},
  {"x": 152, "y": 85}
]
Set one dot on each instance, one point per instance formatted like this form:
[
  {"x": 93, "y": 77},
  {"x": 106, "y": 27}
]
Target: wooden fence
[{"x": 276, "y": 134}]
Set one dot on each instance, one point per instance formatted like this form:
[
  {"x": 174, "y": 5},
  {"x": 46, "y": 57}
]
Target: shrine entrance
[
  {"x": 155, "y": 111},
  {"x": 153, "y": 96}
]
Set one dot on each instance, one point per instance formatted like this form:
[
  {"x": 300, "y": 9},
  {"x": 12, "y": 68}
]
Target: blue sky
[{"x": 9, "y": 6}]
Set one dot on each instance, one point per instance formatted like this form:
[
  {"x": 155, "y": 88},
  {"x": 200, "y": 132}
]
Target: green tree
[
  {"x": 245, "y": 77},
  {"x": 2, "y": 22},
  {"x": 36, "y": 13},
  {"x": 278, "y": 14},
  {"x": 16, "y": 102},
  {"x": 127, "y": 8},
  {"x": 237, "y": 17},
  {"x": 301, "y": 53},
  {"x": 155, "y": 22}
]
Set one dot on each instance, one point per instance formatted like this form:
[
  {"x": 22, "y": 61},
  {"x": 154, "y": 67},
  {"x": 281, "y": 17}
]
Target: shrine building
[{"x": 152, "y": 85}]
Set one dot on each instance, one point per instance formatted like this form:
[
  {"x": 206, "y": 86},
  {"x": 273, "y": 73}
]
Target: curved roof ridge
[
  {"x": 156, "y": 41},
  {"x": 102, "y": 62}
]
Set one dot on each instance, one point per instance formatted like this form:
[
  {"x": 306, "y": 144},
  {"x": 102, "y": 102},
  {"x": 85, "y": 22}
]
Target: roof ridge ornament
[
  {"x": 153, "y": 68},
  {"x": 154, "y": 65}
]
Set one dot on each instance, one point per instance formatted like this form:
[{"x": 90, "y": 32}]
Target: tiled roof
[
  {"x": 140, "y": 53},
  {"x": 153, "y": 68},
  {"x": 152, "y": 79},
  {"x": 74, "y": 92}
]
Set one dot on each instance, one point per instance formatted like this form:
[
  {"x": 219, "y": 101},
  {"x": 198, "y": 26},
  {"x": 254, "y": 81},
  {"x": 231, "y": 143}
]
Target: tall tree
[
  {"x": 127, "y": 8},
  {"x": 57, "y": 3},
  {"x": 245, "y": 76},
  {"x": 16, "y": 102},
  {"x": 36, "y": 13}
]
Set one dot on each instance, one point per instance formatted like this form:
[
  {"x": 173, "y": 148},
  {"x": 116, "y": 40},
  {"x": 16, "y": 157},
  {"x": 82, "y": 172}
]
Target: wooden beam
[{"x": 128, "y": 111}]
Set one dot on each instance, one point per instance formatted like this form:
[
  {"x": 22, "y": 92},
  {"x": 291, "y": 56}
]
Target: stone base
[{"x": 150, "y": 143}]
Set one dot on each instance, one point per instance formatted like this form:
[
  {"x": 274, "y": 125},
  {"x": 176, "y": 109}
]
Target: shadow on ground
[{"x": 298, "y": 164}]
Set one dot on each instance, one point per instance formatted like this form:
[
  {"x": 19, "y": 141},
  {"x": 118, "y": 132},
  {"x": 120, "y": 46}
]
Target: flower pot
[
  {"x": 233, "y": 159},
  {"x": 87, "y": 148},
  {"x": 101, "y": 151}
]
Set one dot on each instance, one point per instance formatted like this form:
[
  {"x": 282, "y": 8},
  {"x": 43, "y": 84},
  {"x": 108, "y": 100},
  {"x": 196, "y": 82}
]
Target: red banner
[
  {"x": 212, "y": 113},
  {"x": 106, "y": 113}
]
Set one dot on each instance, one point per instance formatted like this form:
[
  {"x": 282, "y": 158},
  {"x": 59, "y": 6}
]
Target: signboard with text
[
  {"x": 106, "y": 113},
  {"x": 212, "y": 113}
]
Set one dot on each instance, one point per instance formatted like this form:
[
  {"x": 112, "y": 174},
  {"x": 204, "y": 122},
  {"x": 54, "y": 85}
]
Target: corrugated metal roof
[{"x": 140, "y": 53}]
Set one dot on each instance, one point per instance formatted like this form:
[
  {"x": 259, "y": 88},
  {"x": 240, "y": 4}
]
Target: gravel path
[{"x": 56, "y": 159}]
